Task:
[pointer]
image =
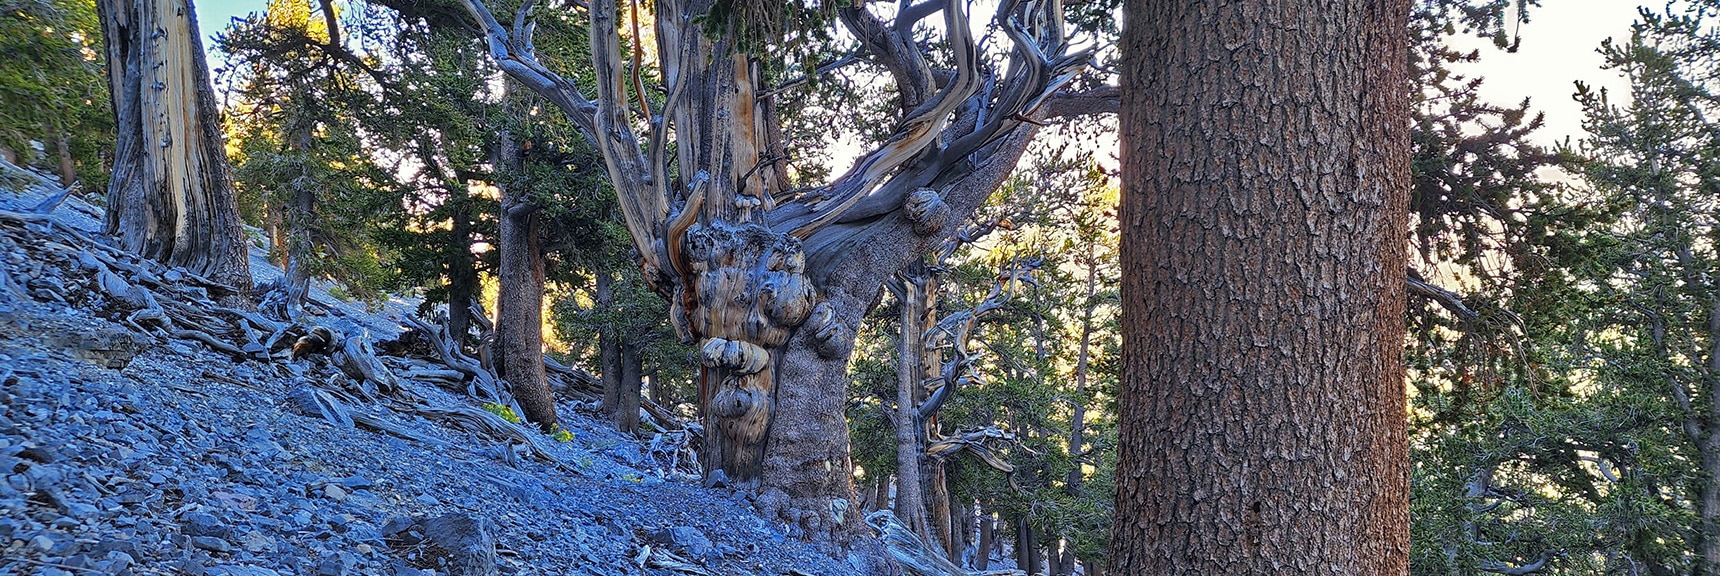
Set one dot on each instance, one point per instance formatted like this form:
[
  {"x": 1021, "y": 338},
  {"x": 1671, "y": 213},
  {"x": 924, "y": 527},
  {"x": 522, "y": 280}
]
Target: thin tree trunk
[
  {"x": 608, "y": 349},
  {"x": 627, "y": 406},
  {"x": 171, "y": 195},
  {"x": 658, "y": 390},
  {"x": 462, "y": 267},
  {"x": 910, "y": 495},
  {"x": 961, "y": 531},
  {"x": 940, "y": 511},
  {"x": 1265, "y": 180},
  {"x": 301, "y": 212},
  {"x": 987, "y": 539},
  {"x": 1710, "y": 446},
  {"x": 1031, "y": 549},
  {"x": 519, "y": 298},
  {"x": 881, "y": 499},
  {"x": 68, "y": 168},
  {"x": 1078, "y": 417}
]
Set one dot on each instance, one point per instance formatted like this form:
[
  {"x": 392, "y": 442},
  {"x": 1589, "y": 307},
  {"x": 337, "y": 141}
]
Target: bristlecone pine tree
[
  {"x": 171, "y": 195},
  {"x": 767, "y": 279},
  {"x": 1265, "y": 152}
]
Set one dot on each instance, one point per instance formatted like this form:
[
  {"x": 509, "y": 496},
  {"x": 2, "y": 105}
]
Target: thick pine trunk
[
  {"x": 171, "y": 195},
  {"x": 519, "y": 294},
  {"x": 1265, "y": 179}
]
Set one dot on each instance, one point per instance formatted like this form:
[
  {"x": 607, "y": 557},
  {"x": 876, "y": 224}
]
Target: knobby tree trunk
[
  {"x": 171, "y": 195},
  {"x": 520, "y": 285},
  {"x": 1265, "y": 178},
  {"x": 744, "y": 264}
]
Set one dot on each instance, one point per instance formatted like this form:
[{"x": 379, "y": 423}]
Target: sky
[
  {"x": 214, "y": 15},
  {"x": 1558, "y": 48}
]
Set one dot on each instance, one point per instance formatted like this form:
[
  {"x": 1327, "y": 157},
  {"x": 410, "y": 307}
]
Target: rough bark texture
[
  {"x": 1265, "y": 179},
  {"x": 519, "y": 295},
  {"x": 807, "y": 473},
  {"x": 171, "y": 195}
]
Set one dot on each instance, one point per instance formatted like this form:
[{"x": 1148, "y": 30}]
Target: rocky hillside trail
[{"x": 147, "y": 429}]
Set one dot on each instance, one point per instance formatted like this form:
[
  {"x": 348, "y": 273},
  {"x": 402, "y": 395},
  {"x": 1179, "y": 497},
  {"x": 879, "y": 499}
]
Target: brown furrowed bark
[
  {"x": 1265, "y": 179},
  {"x": 171, "y": 195},
  {"x": 519, "y": 297}
]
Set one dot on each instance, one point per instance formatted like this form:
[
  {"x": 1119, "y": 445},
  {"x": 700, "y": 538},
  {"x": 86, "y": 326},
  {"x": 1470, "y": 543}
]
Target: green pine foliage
[{"x": 54, "y": 85}]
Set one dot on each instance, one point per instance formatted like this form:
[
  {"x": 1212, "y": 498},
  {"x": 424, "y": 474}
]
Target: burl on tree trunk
[
  {"x": 749, "y": 290},
  {"x": 768, "y": 283},
  {"x": 171, "y": 196}
]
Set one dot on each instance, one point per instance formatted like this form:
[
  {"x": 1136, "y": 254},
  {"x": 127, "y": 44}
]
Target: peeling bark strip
[
  {"x": 171, "y": 196},
  {"x": 1265, "y": 180}
]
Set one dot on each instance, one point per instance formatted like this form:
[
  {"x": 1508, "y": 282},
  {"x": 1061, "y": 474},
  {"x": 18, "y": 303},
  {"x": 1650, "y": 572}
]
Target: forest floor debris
[{"x": 146, "y": 429}]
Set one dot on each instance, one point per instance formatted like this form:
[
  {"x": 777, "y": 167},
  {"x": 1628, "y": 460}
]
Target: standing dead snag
[
  {"x": 743, "y": 261},
  {"x": 171, "y": 197}
]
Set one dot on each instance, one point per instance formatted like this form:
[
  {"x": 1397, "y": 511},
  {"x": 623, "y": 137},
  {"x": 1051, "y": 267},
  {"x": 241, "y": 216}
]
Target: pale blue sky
[{"x": 214, "y": 15}]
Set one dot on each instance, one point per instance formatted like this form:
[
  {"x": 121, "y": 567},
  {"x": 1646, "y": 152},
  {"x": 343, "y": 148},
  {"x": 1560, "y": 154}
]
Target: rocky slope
[{"x": 131, "y": 444}]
